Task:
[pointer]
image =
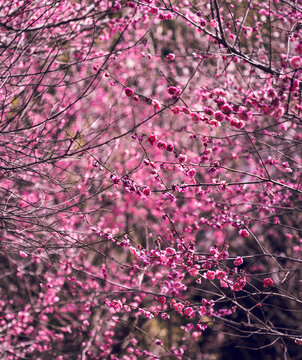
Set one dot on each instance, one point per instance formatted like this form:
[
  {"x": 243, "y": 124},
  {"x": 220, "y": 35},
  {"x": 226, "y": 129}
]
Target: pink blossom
[
  {"x": 195, "y": 117},
  {"x": 153, "y": 11},
  {"x": 172, "y": 90},
  {"x": 162, "y": 300},
  {"x": 220, "y": 274},
  {"x": 129, "y": 92},
  {"x": 156, "y": 105},
  {"x": 224, "y": 284},
  {"x": 279, "y": 113},
  {"x": 182, "y": 158},
  {"x": 179, "y": 307},
  {"x": 170, "y": 57},
  {"x": 210, "y": 275},
  {"x": 202, "y": 311},
  {"x": 219, "y": 116},
  {"x": 191, "y": 173},
  {"x": 267, "y": 282},
  {"x": 208, "y": 111},
  {"x": 244, "y": 233},
  {"x": 298, "y": 48},
  {"x": 193, "y": 272},
  {"x": 162, "y": 145},
  {"x": 176, "y": 110},
  {"x": 152, "y": 139},
  {"x": 189, "y": 312},
  {"x": 237, "y": 286},
  {"x": 147, "y": 191},
  {"x": 170, "y": 148},
  {"x": 213, "y": 23},
  {"x": 238, "y": 261},
  {"x": 202, "y": 22},
  {"x": 296, "y": 62}
]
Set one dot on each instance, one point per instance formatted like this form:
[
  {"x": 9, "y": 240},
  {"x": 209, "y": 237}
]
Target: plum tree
[{"x": 150, "y": 168}]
